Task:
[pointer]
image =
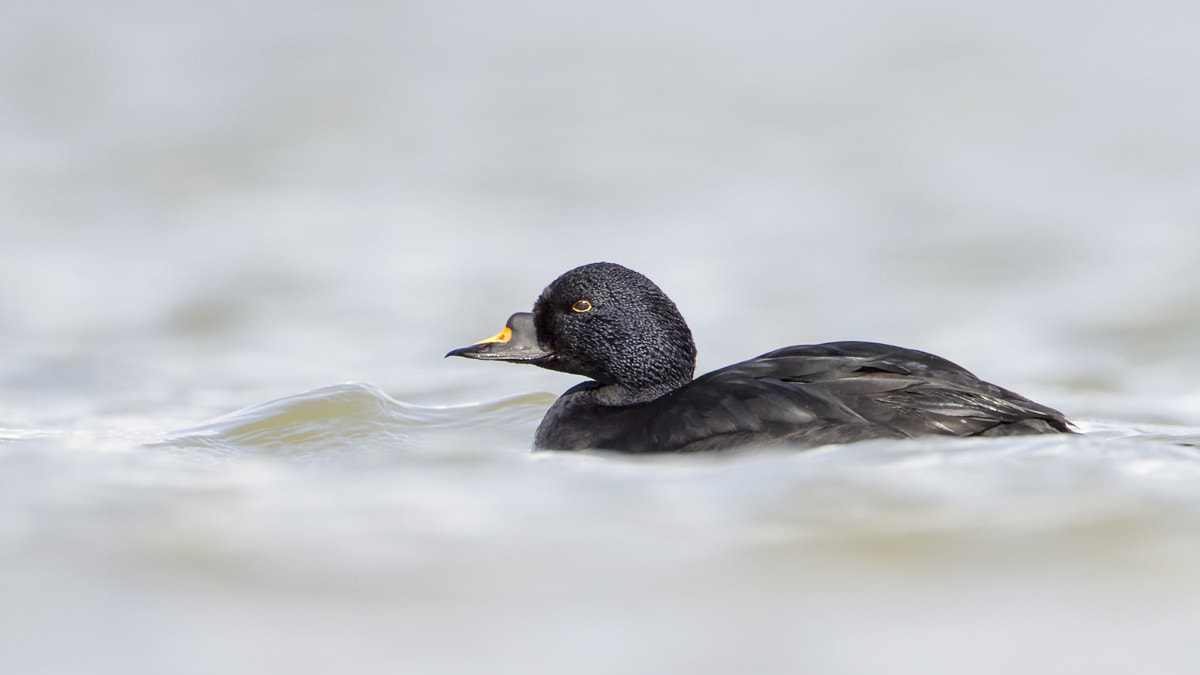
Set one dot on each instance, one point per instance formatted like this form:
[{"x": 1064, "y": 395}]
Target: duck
[{"x": 617, "y": 328}]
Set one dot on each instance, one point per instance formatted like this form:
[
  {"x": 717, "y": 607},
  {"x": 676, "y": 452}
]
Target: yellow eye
[{"x": 581, "y": 306}]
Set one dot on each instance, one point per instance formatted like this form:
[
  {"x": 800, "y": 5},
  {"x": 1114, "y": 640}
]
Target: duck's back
[{"x": 838, "y": 392}]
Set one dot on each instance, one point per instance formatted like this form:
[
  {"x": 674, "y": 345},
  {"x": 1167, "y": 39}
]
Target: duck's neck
[
  {"x": 643, "y": 370},
  {"x": 618, "y": 394}
]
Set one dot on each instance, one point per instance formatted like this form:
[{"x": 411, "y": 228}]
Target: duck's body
[
  {"x": 615, "y": 326},
  {"x": 839, "y": 392}
]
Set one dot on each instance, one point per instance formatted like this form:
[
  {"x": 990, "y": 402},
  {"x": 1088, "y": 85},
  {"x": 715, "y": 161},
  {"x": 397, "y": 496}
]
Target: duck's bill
[{"x": 517, "y": 342}]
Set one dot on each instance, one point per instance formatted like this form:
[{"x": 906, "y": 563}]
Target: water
[{"x": 236, "y": 242}]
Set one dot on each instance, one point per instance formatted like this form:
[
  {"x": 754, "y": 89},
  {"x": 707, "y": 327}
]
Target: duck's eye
[{"x": 581, "y": 306}]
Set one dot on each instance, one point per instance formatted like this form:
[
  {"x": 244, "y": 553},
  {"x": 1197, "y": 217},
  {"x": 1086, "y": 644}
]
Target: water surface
[{"x": 236, "y": 242}]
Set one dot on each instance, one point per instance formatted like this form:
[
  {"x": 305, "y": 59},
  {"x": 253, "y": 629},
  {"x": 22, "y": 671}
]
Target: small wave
[
  {"x": 1104, "y": 429},
  {"x": 354, "y": 419}
]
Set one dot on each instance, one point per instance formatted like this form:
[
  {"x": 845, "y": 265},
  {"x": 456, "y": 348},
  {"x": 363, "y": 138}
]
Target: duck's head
[{"x": 602, "y": 321}]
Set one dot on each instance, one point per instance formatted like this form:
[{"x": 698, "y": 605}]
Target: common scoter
[{"x": 615, "y": 326}]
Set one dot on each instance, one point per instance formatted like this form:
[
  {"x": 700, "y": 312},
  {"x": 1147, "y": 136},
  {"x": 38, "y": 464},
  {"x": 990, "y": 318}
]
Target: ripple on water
[{"x": 361, "y": 419}]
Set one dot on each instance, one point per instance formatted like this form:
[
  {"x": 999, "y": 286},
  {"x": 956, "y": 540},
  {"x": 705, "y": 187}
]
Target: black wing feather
[{"x": 839, "y": 393}]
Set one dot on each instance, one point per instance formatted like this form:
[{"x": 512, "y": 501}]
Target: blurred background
[{"x": 209, "y": 206}]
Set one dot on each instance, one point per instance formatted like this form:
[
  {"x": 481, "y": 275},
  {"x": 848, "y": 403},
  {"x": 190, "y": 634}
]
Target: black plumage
[{"x": 614, "y": 326}]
